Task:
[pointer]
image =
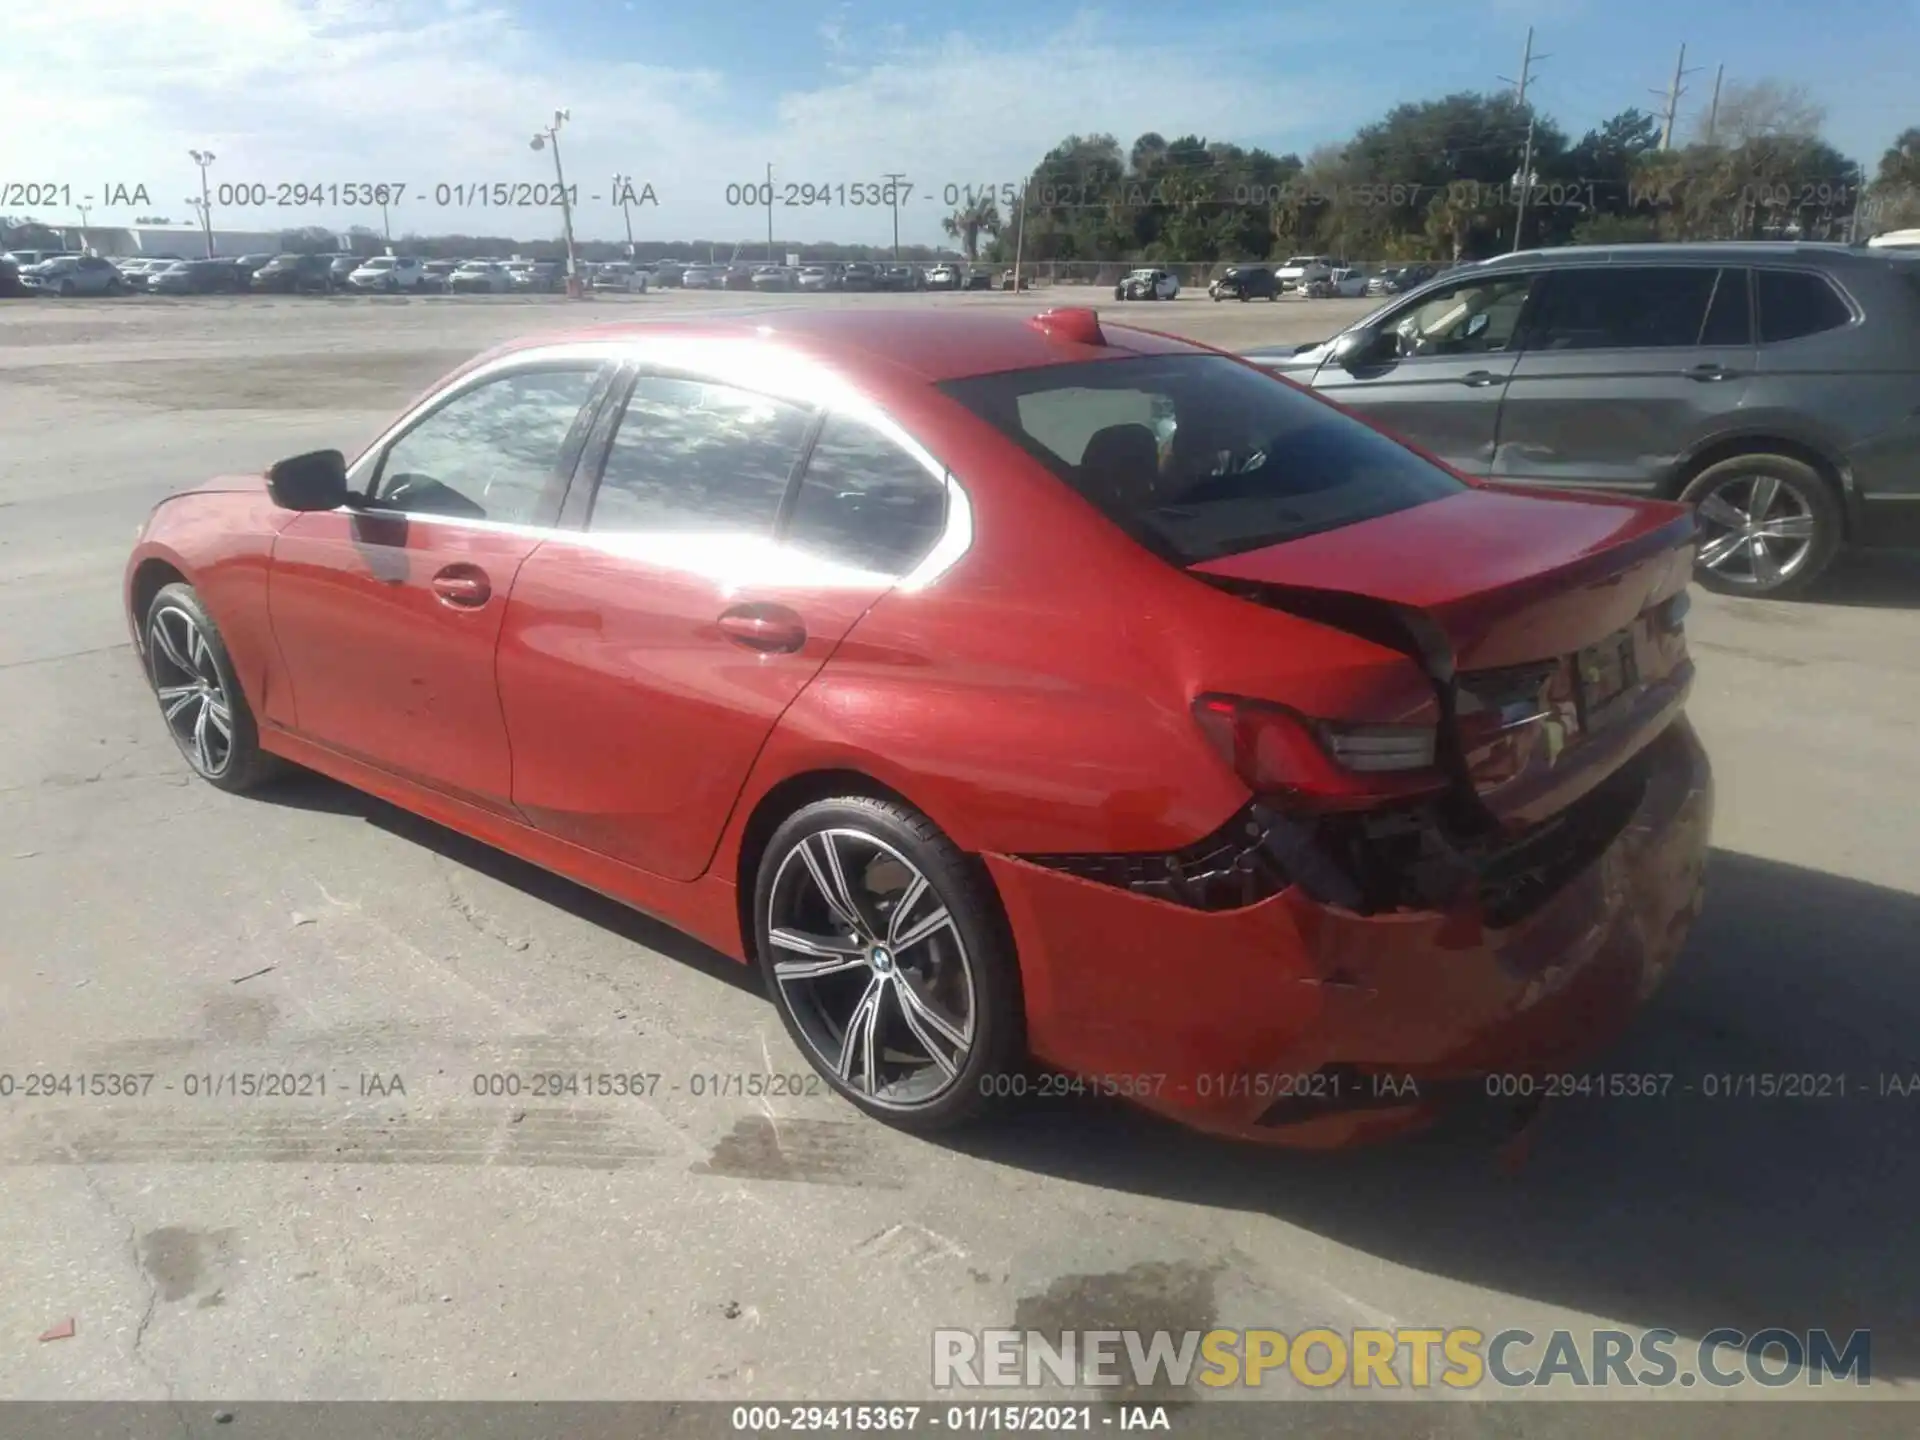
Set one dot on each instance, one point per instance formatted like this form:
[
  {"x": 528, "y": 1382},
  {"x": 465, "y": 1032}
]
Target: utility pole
[
  {"x": 1526, "y": 70},
  {"x": 770, "y": 259},
  {"x": 1020, "y": 236},
  {"x": 542, "y": 139},
  {"x": 84, "y": 210},
  {"x": 893, "y": 180},
  {"x": 1713, "y": 110},
  {"x": 625, "y": 184},
  {"x": 1523, "y": 177},
  {"x": 1673, "y": 93},
  {"x": 1859, "y": 194},
  {"x": 204, "y": 158},
  {"x": 1523, "y": 180}
]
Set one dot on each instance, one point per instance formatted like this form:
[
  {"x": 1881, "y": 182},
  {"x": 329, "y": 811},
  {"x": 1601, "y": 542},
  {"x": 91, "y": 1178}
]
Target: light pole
[
  {"x": 386, "y": 227},
  {"x": 84, "y": 211},
  {"x": 542, "y": 139},
  {"x": 204, "y": 158},
  {"x": 893, "y": 199}
]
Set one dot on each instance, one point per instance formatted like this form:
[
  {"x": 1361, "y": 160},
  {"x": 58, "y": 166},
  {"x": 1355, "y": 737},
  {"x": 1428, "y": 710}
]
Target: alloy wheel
[
  {"x": 193, "y": 698},
  {"x": 872, "y": 967},
  {"x": 1759, "y": 530}
]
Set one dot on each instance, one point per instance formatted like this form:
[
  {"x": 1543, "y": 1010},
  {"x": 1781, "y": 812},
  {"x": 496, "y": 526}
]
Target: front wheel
[
  {"x": 1769, "y": 525},
  {"x": 888, "y": 957},
  {"x": 201, "y": 701}
]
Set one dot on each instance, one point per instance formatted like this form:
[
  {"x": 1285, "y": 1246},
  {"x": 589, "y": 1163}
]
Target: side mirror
[
  {"x": 1359, "y": 347},
  {"x": 314, "y": 481}
]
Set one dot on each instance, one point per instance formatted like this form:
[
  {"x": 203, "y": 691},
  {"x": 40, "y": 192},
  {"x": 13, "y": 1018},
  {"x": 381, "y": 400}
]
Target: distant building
[{"x": 189, "y": 242}]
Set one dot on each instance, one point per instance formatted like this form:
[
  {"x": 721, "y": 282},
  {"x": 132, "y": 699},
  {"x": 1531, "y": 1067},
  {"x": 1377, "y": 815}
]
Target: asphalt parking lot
[{"x": 444, "y": 1243}]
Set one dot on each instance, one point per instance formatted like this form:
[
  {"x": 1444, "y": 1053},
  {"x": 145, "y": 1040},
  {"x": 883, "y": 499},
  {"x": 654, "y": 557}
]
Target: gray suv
[{"x": 1773, "y": 386}]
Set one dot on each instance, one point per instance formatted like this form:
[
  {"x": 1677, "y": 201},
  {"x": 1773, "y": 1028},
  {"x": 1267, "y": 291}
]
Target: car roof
[
  {"x": 931, "y": 347},
  {"x": 1729, "y": 252}
]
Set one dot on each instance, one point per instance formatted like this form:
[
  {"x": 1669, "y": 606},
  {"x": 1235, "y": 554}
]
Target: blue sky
[{"x": 693, "y": 96}]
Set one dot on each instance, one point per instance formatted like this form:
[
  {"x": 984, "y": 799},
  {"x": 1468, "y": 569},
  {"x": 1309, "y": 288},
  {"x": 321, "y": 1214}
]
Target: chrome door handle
[
  {"x": 1479, "y": 378},
  {"x": 769, "y": 629},
  {"x": 465, "y": 587}
]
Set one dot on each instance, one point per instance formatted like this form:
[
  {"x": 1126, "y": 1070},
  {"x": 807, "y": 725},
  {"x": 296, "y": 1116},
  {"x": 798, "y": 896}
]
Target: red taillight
[{"x": 1319, "y": 764}]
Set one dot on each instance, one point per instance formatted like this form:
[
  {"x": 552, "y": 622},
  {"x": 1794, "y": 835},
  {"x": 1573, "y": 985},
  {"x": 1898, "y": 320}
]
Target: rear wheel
[
  {"x": 1769, "y": 525},
  {"x": 888, "y": 958},
  {"x": 203, "y": 706}
]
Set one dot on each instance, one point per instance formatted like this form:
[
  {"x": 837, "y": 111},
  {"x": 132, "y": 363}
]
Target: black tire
[
  {"x": 244, "y": 765},
  {"x": 1802, "y": 492},
  {"x": 976, "y": 947}
]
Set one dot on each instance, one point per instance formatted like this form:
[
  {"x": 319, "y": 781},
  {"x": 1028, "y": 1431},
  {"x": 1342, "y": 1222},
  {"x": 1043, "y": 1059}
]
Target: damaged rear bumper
[{"x": 1297, "y": 1022}]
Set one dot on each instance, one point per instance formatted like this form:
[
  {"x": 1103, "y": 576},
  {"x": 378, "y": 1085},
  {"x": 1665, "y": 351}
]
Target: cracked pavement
[{"x": 420, "y": 1230}]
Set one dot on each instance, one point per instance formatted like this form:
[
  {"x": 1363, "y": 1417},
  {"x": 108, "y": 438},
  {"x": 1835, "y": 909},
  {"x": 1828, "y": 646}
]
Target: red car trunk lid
[{"x": 1558, "y": 612}]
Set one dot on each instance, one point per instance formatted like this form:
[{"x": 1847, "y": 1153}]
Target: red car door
[
  {"x": 645, "y": 662},
  {"x": 388, "y": 612}
]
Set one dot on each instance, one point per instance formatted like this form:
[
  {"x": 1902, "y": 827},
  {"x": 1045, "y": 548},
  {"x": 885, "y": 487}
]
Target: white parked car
[
  {"x": 1302, "y": 271},
  {"x": 618, "y": 275},
  {"x": 1896, "y": 240},
  {"x": 701, "y": 277},
  {"x": 487, "y": 277},
  {"x": 1349, "y": 284},
  {"x": 390, "y": 273},
  {"x": 1147, "y": 284},
  {"x": 816, "y": 277}
]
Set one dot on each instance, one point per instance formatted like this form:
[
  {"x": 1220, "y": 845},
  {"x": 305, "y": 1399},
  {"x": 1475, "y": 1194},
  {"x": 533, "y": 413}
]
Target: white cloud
[{"x": 429, "y": 91}]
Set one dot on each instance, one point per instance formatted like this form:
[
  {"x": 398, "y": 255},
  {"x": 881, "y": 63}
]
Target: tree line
[
  {"x": 1442, "y": 180},
  {"x": 1431, "y": 180}
]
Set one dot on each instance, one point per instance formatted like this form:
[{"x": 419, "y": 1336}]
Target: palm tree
[{"x": 967, "y": 224}]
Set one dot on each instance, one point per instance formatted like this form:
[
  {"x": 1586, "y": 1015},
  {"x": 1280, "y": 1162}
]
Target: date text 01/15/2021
[{"x": 966, "y": 1419}]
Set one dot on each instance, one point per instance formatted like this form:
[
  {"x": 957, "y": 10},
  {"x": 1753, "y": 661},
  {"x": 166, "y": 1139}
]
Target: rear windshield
[{"x": 1198, "y": 456}]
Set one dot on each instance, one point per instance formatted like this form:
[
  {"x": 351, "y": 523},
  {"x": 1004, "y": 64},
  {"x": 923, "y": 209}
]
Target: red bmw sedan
[{"x": 1021, "y": 696}]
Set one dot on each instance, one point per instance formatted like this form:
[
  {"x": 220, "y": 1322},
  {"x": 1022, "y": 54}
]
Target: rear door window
[
  {"x": 1611, "y": 307},
  {"x": 1198, "y": 456},
  {"x": 1797, "y": 303},
  {"x": 864, "y": 501},
  {"x": 697, "y": 456}
]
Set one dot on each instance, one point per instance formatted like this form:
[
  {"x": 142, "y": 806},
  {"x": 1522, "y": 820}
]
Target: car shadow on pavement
[
  {"x": 308, "y": 790},
  {"x": 1689, "y": 1212},
  {"x": 1873, "y": 579}
]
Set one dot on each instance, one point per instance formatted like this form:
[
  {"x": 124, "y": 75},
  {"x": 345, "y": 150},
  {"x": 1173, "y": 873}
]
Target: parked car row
[
  {"x": 834, "y": 275},
  {"x": 70, "y": 273}
]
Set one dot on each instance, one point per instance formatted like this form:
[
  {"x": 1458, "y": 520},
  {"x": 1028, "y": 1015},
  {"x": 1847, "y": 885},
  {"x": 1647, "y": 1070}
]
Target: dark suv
[
  {"x": 291, "y": 274},
  {"x": 1773, "y": 386},
  {"x": 1246, "y": 282}
]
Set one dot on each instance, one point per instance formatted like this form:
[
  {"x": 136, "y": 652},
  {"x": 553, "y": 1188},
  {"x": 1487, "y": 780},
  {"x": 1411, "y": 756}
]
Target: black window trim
[{"x": 547, "y": 509}]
